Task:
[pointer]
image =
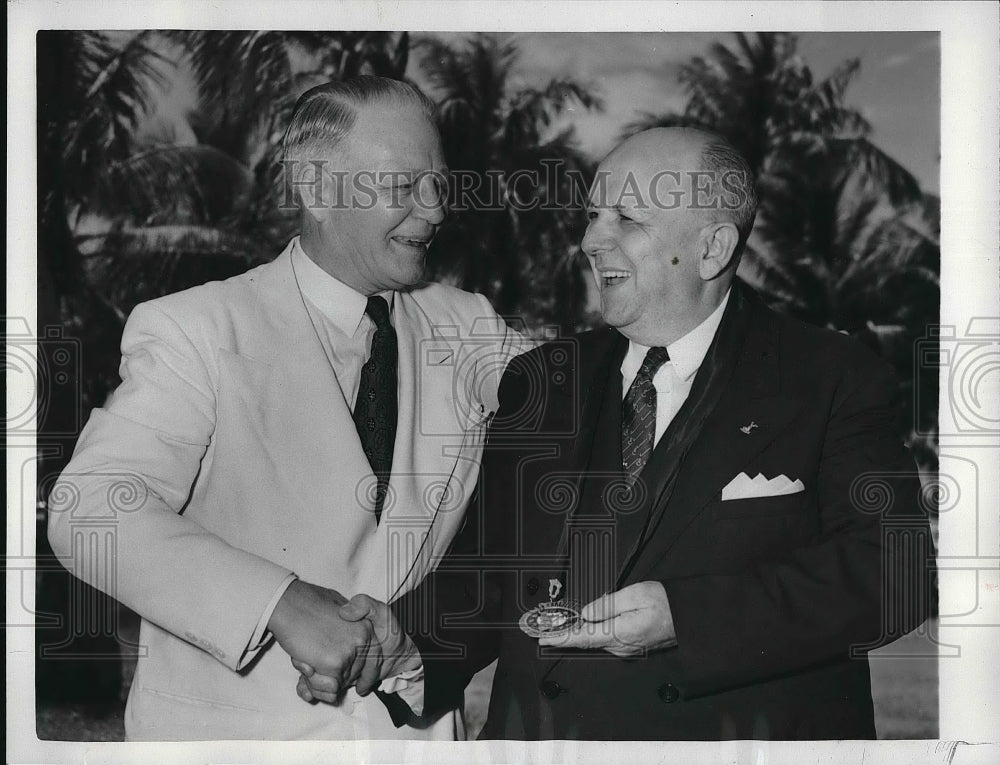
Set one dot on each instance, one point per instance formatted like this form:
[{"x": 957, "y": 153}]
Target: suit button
[
  {"x": 668, "y": 693},
  {"x": 532, "y": 586},
  {"x": 551, "y": 689}
]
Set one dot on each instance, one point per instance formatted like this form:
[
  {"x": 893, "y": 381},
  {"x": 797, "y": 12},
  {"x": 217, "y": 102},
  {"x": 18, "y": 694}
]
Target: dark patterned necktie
[
  {"x": 375, "y": 409},
  {"x": 639, "y": 415}
]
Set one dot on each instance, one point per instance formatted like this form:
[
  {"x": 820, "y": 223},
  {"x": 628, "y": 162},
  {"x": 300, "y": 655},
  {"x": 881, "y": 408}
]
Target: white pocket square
[{"x": 745, "y": 487}]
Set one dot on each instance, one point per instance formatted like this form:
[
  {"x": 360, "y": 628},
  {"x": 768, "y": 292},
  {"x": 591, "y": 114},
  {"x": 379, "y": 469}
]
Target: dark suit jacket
[{"x": 775, "y": 600}]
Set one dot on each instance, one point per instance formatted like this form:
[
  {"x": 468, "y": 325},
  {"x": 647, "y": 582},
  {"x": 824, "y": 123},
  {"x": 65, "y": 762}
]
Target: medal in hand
[{"x": 555, "y": 617}]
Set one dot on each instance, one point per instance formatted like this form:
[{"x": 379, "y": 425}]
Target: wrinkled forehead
[{"x": 395, "y": 134}]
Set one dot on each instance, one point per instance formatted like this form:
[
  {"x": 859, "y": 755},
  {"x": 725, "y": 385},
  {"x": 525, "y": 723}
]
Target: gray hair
[
  {"x": 733, "y": 182},
  {"x": 325, "y": 114}
]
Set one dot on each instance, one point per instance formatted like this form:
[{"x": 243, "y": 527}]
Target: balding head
[{"x": 682, "y": 145}]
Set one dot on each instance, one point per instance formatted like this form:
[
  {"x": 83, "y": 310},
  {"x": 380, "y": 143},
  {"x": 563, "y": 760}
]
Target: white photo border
[{"x": 970, "y": 278}]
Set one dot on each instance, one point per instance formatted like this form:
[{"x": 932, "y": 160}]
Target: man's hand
[
  {"x": 390, "y": 653},
  {"x": 629, "y": 622},
  {"x": 307, "y": 625}
]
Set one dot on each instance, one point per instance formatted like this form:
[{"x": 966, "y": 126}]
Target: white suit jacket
[{"x": 228, "y": 458}]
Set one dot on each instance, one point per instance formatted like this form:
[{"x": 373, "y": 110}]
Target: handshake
[{"x": 337, "y": 644}]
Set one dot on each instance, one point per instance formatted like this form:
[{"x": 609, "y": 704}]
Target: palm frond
[
  {"x": 879, "y": 168},
  {"x": 647, "y": 120},
  {"x": 158, "y": 242},
  {"x": 497, "y": 130},
  {"x": 131, "y": 265},
  {"x": 240, "y": 76},
  {"x": 178, "y": 184},
  {"x": 118, "y": 82}
]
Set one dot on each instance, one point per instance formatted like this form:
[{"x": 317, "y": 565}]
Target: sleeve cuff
[
  {"x": 408, "y": 686},
  {"x": 261, "y": 636}
]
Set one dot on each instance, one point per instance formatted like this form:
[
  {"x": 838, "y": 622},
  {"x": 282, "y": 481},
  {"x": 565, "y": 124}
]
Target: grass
[{"x": 904, "y": 687}]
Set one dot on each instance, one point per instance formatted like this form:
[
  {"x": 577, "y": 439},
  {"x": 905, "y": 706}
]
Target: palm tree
[
  {"x": 765, "y": 100},
  {"x": 514, "y": 238},
  {"x": 889, "y": 295},
  {"x": 120, "y": 212},
  {"x": 92, "y": 91},
  {"x": 248, "y": 83}
]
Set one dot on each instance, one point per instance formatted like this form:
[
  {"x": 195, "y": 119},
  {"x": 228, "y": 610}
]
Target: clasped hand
[{"x": 336, "y": 644}]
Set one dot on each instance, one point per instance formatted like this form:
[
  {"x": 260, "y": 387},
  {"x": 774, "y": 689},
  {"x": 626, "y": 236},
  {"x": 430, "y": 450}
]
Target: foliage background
[{"x": 133, "y": 204}]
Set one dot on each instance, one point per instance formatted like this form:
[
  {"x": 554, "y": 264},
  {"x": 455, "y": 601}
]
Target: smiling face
[
  {"x": 645, "y": 245},
  {"x": 388, "y": 199}
]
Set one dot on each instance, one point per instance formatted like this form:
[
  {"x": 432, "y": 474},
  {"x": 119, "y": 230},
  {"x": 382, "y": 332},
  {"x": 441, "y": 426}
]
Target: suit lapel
[{"x": 298, "y": 369}]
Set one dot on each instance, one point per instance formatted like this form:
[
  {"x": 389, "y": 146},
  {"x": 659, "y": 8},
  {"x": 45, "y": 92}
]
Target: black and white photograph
[{"x": 469, "y": 381}]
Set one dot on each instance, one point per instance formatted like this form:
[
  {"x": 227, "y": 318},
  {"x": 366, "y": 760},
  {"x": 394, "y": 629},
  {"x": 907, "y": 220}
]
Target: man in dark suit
[{"x": 720, "y": 486}]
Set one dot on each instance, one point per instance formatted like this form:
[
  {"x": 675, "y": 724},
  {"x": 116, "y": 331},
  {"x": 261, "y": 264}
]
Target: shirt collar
[
  {"x": 687, "y": 352},
  {"x": 343, "y": 306}
]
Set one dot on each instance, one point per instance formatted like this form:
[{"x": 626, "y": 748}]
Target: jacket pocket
[
  {"x": 760, "y": 507},
  {"x": 195, "y": 701}
]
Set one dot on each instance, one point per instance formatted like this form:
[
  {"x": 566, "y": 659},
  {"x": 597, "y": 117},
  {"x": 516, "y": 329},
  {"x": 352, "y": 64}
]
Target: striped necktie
[{"x": 639, "y": 415}]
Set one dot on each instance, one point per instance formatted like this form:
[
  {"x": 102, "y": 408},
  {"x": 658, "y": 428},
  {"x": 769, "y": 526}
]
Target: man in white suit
[{"x": 229, "y": 464}]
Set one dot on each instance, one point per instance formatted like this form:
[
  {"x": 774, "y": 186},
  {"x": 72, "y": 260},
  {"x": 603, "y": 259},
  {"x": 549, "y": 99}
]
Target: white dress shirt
[
  {"x": 338, "y": 314},
  {"x": 673, "y": 380}
]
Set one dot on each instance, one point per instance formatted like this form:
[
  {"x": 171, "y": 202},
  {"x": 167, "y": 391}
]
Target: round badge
[{"x": 550, "y": 619}]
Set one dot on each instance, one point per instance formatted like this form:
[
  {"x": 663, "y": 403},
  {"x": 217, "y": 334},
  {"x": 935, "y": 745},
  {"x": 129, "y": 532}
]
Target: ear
[
  {"x": 314, "y": 187},
  {"x": 719, "y": 242}
]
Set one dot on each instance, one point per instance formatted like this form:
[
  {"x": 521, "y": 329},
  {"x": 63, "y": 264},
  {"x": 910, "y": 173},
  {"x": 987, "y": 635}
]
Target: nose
[
  {"x": 431, "y": 200},
  {"x": 595, "y": 238}
]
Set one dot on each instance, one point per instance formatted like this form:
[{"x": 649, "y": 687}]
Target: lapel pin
[
  {"x": 747, "y": 428},
  {"x": 555, "y": 587}
]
